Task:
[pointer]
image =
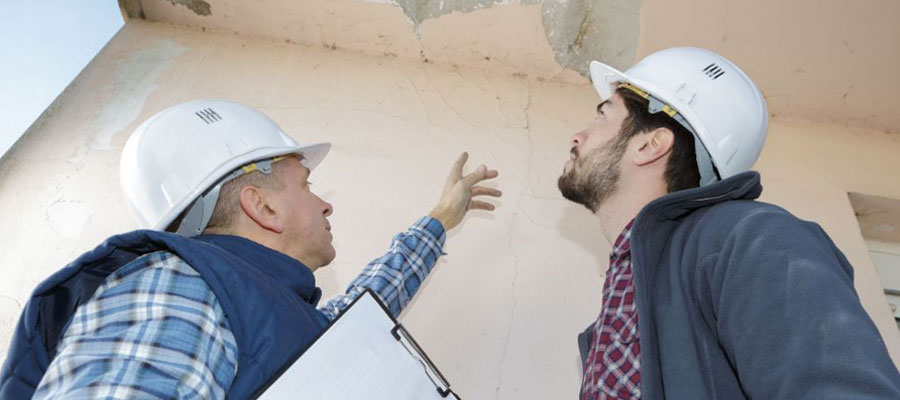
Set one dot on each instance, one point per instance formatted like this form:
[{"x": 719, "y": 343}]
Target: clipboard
[{"x": 363, "y": 353}]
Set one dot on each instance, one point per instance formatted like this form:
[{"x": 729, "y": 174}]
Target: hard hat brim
[
  {"x": 313, "y": 154},
  {"x": 603, "y": 76}
]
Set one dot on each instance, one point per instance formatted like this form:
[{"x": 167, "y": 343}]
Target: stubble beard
[{"x": 594, "y": 176}]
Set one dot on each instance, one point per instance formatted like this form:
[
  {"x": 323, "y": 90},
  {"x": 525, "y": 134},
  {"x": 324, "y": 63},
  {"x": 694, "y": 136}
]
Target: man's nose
[
  {"x": 578, "y": 139},
  {"x": 328, "y": 208}
]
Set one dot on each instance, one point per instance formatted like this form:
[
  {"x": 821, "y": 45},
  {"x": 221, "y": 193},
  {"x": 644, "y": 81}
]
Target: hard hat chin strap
[
  {"x": 705, "y": 166},
  {"x": 198, "y": 214},
  {"x": 197, "y": 217},
  {"x": 704, "y": 162}
]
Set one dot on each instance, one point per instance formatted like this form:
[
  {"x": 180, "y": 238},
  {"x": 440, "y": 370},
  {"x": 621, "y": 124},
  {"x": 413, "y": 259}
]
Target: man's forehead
[
  {"x": 615, "y": 98},
  {"x": 296, "y": 161}
]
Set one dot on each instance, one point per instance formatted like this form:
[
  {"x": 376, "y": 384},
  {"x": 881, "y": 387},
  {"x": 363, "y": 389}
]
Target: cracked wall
[
  {"x": 819, "y": 61},
  {"x": 551, "y": 39},
  {"x": 578, "y": 31},
  {"x": 500, "y": 313}
]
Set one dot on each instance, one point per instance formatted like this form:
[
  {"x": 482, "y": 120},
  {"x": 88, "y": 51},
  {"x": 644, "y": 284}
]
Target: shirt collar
[{"x": 622, "y": 245}]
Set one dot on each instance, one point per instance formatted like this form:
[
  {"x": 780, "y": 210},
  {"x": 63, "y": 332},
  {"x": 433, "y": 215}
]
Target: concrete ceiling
[{"x": 831, "y": 61}]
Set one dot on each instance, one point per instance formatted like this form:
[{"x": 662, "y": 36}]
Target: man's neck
[
  {"x": 622, "y": 207},
  {"x": 272, "y": 241}
]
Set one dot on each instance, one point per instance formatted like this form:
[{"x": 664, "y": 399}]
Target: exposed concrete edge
[{"x": 131, "y": 9}]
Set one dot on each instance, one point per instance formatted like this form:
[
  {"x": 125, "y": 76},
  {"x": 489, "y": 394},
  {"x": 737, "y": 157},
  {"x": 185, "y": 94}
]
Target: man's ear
[
  {"x": 259, "y": 208},
  {"x": 654, "y": 145}
]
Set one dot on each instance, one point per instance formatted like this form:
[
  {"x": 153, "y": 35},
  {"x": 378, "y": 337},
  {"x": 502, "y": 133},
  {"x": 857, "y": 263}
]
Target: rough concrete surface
[
  {"x": 583, "y": 30},
  {"x": 199, "y": 7}
]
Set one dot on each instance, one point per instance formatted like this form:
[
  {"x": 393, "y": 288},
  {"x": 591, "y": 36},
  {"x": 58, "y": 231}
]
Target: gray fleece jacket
[{"x": 739, "y": 299}]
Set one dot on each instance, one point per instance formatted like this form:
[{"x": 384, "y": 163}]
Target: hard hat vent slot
[
  {"x": 713, "y": 71},
  {"x": 208, "y": 115}
]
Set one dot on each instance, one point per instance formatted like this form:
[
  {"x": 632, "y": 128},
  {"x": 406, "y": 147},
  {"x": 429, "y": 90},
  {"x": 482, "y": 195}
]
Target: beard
[{"x": 594, "y": 176}]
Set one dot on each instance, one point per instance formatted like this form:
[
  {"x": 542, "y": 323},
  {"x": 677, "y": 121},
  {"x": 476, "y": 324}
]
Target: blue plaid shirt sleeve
[
  {"x": 396, "y": 276},
  {"x": 153, "y": 329}
]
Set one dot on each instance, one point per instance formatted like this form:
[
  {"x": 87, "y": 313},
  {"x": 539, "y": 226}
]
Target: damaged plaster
[
  {"x": 583, "y": 30},
  {"x": 420, "y": 10},
  {"x": 578, "y": 30},
  {"x": 199, "y": 7}
]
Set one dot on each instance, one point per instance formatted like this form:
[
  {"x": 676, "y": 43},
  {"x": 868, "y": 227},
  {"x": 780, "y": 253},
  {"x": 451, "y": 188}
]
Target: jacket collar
[
  {"x": 743, "y": 186},
  {"x": 282, "y": 268}
]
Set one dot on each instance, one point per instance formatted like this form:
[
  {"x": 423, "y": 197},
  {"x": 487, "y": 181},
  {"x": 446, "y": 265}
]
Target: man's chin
[
  {"x": 568, "y": 190},
  {"x": 563, "y": 183},
  {"x": 324, "y": 262},
  {"x": 330, "y": 257}
]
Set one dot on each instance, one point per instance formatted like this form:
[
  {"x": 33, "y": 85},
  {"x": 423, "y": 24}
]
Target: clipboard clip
[{"x": 440, "y": 383}]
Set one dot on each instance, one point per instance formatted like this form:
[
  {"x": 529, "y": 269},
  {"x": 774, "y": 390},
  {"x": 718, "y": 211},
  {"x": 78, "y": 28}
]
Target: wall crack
[
  {"x": 512, "y": 312},
  {"x": 18, "y": 303}
]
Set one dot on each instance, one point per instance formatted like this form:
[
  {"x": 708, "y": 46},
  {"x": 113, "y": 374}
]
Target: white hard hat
[
  {"x": 708, "y": 94},
  {"x": 181, "y": 156}
]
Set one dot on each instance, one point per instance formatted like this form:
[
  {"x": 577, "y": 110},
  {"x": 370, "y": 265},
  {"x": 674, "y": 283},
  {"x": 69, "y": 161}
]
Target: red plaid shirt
[{"x": 613, "y": 367}]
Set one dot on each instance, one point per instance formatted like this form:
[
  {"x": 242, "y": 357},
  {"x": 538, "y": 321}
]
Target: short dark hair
[{"x": 681, "y": 168}]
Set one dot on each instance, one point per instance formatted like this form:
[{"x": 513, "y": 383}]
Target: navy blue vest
[{"x": 268, "y": 297}]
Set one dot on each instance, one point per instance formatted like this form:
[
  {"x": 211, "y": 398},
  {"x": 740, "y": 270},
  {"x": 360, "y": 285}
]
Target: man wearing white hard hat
[
  {"x": 710, "y": 294},
  {"x": 216, "y": 293}
]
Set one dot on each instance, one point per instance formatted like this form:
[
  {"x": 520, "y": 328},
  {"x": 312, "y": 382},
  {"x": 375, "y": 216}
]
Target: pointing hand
[{"x": 460, "y": 192}]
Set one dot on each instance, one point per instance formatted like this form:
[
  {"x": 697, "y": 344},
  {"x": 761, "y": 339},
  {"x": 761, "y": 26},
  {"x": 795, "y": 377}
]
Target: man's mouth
[{"x": 573, "y": 153}]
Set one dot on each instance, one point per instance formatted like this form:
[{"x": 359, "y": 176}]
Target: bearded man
[{"x": 710, "y": 294}]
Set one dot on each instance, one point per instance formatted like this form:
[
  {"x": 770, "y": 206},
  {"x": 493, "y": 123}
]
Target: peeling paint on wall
[
  {"x": 199, "y": 7},
  {"x": 583, "y": 30},
  {"x": 135, "y": 81},
  {"x": 420, "y": 10},
  {"x": 578, "y": 30}
]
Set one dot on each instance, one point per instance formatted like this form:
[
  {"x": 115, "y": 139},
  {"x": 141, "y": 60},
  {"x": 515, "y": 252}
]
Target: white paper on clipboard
[{"x": 364, "y": 354}]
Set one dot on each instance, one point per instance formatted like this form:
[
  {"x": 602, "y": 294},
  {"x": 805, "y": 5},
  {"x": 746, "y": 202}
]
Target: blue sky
[{"x": 44, "y": 44}]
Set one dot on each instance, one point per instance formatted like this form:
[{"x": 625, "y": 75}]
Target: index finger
[{"x": 457, "y": 168}]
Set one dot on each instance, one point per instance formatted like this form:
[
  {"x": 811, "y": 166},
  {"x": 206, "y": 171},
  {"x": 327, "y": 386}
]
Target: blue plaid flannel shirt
[{"x": 154, "y": 329}]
